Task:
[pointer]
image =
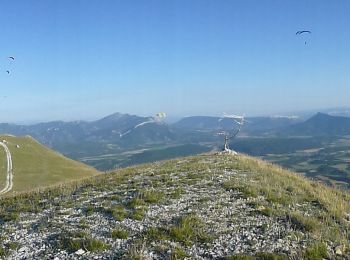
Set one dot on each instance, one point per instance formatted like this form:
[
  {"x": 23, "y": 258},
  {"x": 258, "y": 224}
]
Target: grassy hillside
[
  {"x": 209, "y": 206},
  {"x": 36, "y": 166}
]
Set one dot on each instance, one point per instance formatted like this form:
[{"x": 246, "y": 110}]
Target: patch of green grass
[
  {"x": 278, "y": 197},
  {"x": 270, "y": 256},
  {"x": 152, "y": 196},
  {"x": 316, "y": 252},
  {"x": 90, "y": 209},
  {"x": 178, "y": 253},
  {"x": 303, "y": 223},
  {"x": 136, "y": 202},
  {"x": 138, "y": 214},
  {"x": 176, "y": 194},
  {"x": 13, "y": 245},
  {"x": 3, "y": 252},
  {"x": 266, "y": 211},
  {"x": 246, "y": 190},
  {"x": 83, "y": 224},
  {"x": 73, "y": 241},
  {"x": 118, "y": 212},
  {"x": 9, "y": 216},
  {"x": 119, "y": 234},
  {"x": 156, "y": 234},
  {"x": 189, "y": 230},
  {"x": 240, "y": 257}
]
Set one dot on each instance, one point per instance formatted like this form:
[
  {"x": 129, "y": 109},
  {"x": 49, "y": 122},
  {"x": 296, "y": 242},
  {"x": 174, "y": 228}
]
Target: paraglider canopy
[{"x": 301, "y": 32}]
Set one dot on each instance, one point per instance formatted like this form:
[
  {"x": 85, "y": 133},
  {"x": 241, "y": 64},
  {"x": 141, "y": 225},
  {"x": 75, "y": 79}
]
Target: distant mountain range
[
  {"x": 320, "y": 125},
  {"x": 252, "y": 125},
  {"x": 100, "y": 142},
  {"x": 131, "y": 130},
  {"x": 117, "y": 127}
]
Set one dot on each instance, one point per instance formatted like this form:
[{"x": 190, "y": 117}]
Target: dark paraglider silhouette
[
  {"x": 12, "y": 58},
  {"x": 301, "y": 32},
  {"x": 298, "y": 33}
]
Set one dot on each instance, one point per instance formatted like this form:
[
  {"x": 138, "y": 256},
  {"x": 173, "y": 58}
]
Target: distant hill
[
  {"x": 213, "y": 206},
  {"x": 320, "y": 125},
  {"x": 35, "y": 166}
]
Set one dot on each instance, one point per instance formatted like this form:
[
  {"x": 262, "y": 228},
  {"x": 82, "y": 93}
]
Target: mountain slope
[
  {"x": 321, "y": 125},
  {"x": 35, "y": 166},
  {"x": 204, "y": 207}
]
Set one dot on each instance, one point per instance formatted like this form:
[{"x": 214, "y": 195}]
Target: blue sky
[{"x": 86, "y": 59}]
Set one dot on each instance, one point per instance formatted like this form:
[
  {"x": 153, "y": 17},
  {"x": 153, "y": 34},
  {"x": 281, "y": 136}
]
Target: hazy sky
[{"x": 86, "y": 59}]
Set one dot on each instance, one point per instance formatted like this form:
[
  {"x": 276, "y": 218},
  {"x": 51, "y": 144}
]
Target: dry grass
[{"x": 287, "y": 191}]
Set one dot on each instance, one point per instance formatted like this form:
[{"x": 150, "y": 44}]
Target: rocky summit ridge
[{"x": 210, "y": 206}]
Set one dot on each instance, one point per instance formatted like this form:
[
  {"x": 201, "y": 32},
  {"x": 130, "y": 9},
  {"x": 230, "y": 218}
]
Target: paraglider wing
[
  {"x": 11, "y": 57},
  {"x": 8, "y": 72},
  {"x": 301, "y": 32}
]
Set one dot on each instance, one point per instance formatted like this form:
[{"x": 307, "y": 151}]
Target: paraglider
[
  {"x": 157, "y": 119},
  {"x": 12, "y": 59},
  {"x": 301, "y": 32},
  {"x": 298, "y": 33}
]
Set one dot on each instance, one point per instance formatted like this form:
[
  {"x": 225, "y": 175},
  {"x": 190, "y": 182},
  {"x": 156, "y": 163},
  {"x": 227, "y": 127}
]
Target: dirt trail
[{"x": 9, "y": 176}]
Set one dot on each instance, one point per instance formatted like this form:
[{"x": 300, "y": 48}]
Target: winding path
[{"x": 9, "y": 177}]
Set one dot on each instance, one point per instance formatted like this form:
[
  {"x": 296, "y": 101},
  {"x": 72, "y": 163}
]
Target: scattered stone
[{"x": 79, "y": 252}]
